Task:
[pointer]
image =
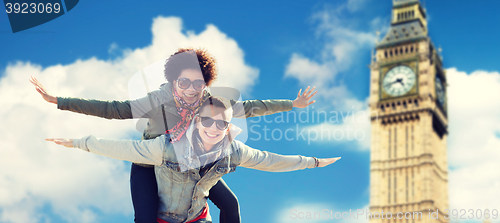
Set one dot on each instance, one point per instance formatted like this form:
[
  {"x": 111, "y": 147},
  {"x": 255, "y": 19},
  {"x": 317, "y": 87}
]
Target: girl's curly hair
[{"x": 185, "y": 58}]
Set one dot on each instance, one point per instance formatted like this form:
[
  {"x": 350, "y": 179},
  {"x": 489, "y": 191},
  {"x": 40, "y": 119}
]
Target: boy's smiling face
[{"x": 211, "y": 135}]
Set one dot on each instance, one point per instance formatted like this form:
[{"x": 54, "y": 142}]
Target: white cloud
[
  {"x": 78, "y": 186},
  {"x": 309, "y": 71},
  {"x": 341, "y": 47},
  {"x": 473, "y": 147},
  {"x": 354, "y": 5},
  {"x": 168, "y": 36},
  {"x": 343, "y": 126},
  {"x": 113, "y": 48}
]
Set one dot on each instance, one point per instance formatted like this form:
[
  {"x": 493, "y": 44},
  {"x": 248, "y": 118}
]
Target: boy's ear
[{"x": 197, "y": 119}]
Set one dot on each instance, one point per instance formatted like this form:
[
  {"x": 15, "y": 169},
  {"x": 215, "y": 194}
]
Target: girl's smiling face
[{"x": 189, "y": 95}]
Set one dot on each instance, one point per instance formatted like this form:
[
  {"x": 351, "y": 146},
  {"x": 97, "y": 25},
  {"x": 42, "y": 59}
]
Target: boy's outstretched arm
[
  {"x": 272, "y": 162},
  {"x": 137, "y": 151}
]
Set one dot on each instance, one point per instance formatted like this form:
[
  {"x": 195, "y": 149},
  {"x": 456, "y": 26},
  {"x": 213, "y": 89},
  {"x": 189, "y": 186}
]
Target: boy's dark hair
[
  {"x": 185, "y": 58},
  {"x": 217, "y": 101}
]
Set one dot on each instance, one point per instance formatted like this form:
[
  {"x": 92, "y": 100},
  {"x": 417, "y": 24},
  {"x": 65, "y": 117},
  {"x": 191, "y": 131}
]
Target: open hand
[
  {"x": 302, "y": 100},
  {"x": 63, "y": 142},
  {"x": 327, "y": 161},
  {"x": 39, "y": 87}
]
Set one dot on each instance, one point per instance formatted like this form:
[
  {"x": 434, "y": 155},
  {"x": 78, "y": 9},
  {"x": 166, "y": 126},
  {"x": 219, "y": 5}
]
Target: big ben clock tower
[{"x": 408, "y": 103}]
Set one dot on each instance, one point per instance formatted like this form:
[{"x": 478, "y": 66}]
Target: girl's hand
[
  {"x": 302, "y": 100},
  {"x": 63, "y": 142},
  {"x": 39, "y": 87},
  {"x": 327, "y": 161}
]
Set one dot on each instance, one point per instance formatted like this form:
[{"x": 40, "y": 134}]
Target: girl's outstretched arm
[
  {"x": 145, "y": 107},
  {"x": 43, "y": 92},
  {"x": 256, "y": 108},
  {"x": 303, "y": 99}
]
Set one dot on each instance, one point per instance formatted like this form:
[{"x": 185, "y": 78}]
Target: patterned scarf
[{"x": 187, "y": 112}]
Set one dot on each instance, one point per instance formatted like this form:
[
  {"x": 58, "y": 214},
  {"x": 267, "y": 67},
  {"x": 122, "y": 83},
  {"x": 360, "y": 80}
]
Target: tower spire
[
  {"x": 409, "y": 23},
  {"x": 408, "y": 10}
]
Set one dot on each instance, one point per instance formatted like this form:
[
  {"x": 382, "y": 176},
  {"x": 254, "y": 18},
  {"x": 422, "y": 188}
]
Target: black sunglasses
[
  {"x": 184, "y": 83},
  {"x": 207, "y": 122}
]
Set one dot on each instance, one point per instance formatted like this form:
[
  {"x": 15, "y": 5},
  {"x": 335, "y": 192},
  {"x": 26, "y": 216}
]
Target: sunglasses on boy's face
[
  {"x": 207, "y": 122},
  {"x": 184, "y": 83}
]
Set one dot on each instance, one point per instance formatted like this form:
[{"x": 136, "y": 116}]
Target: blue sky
[{"x": 270, "y": 37}]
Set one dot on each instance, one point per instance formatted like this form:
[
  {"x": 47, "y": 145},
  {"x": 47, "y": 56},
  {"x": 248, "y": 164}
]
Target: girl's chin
[{"x": 190, "y": 100}]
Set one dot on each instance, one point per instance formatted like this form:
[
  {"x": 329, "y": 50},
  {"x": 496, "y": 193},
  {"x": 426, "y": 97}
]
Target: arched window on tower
[
  {"x": 395, "y": 189},
  {"x": 389, "y": 144},
  {"x": 406, "y": 141},
  {"x": 412, "y": 186},
  {"x": 395, "y": 142},
  {"x": 389, "y": 188},
  {"x": 412, "y": 143},
  {"x": 406, "y": 187}
]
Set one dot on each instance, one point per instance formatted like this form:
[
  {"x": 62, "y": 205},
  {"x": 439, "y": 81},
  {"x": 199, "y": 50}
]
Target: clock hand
[
  {"x": 389, "y": 84},
  {"x": 400, "y": 80}
]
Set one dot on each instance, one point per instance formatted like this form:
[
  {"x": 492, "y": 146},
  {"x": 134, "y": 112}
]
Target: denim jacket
[{"x": 183, "y": 194}]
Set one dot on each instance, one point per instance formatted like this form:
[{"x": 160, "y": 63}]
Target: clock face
[
  {"x": 399, "y": 80},
  {"x": 439, "y": 90}
]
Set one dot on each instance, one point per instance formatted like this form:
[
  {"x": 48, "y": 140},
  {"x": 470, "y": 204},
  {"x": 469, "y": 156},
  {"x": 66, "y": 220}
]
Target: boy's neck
[{"x": 207, "y": 147}]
